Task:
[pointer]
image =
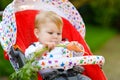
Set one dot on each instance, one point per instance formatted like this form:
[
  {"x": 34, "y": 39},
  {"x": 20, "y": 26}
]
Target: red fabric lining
[
  {"x": 93, "y": 71},
  {"x": 25, "y": 36},
  {"x": 25, "y": 26}
]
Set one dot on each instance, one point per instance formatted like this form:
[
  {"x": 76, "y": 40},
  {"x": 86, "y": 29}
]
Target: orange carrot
[{"x": 74, "y": 47}]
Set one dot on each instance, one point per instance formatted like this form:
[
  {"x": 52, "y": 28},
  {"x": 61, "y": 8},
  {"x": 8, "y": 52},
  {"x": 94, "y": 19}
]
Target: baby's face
[{"x": 49, "y": 32}]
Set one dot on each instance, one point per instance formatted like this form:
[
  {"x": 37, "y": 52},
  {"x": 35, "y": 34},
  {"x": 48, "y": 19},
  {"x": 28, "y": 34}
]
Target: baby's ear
[{"x": 36, "y": 32}]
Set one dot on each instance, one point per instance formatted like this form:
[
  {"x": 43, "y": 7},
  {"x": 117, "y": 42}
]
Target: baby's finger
[{"x": 51, "y": 45}]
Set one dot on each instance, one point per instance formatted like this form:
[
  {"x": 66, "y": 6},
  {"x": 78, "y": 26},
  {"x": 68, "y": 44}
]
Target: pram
[{"x": 16, "y": 33}]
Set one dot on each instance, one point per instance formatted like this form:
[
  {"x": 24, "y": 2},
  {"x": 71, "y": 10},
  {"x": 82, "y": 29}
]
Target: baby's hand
[
  {"x": 50, "y": 45},
  {"x": 75, "y": 46}
]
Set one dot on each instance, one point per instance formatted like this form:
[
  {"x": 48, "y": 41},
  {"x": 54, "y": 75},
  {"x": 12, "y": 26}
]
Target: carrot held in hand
[{"x": 75, "y": 46}]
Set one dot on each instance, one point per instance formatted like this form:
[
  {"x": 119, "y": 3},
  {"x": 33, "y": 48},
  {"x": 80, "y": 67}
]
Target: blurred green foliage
[
  {"x": 102, "y": 12},
  {"x": 4, "y": 3},
  {"x": 5, "y": 66},
  {"x": 0, "y": 18},
  {"x": 106, "y": 10},
  {"x": 96, "y": 36}
]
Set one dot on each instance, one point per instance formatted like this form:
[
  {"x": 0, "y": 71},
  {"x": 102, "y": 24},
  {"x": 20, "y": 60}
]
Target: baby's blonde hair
[{"x": 44, "y": 16}]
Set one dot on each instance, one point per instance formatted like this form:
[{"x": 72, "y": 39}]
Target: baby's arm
[
  {"x": 37, "y": 47},
  {"x": 50, "y": 45}
]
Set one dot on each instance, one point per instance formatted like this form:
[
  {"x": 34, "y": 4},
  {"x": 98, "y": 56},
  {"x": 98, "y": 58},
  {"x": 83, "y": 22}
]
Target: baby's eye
[
  {"x": 50, "y": 32},
  {"x": 58, "y": 33}
]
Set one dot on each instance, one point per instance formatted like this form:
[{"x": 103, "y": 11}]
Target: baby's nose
[{"x": 55, "y": 35}]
